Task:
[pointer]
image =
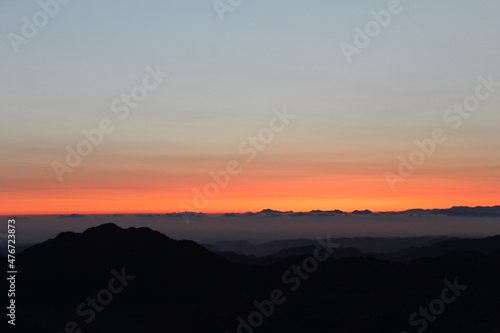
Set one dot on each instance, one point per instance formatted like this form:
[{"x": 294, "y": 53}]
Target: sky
[{"x": 285, "y": 102}]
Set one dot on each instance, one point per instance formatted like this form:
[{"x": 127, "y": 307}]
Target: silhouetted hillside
[
  {"x": 485, "y": 245},
  {"x": 287, "y": 253},
  {"x": 179, "y": 286},
  {"x": 363, "y": 244}
]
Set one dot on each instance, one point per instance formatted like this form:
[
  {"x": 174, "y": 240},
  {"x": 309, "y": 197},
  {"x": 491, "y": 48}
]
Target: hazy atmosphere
[{"x": 259, "y": 229}]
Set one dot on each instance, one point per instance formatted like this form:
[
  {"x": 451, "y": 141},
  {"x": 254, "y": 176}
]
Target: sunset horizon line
[{"x": 83, "y": 213}]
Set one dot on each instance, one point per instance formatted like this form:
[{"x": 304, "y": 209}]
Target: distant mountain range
[
  {"x": 364, "y": 244},
  {"x": 428, "y": 247},
  {"x": 180, "y": 286},
  {"x": 479, "y": 211}
]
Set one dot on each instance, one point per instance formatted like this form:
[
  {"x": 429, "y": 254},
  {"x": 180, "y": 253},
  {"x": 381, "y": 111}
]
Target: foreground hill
[{"x": 109, "y": 279}]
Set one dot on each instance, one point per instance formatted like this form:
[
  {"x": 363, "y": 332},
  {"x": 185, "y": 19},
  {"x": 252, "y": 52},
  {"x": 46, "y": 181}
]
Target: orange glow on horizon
[{"x": 346, "y": 193}]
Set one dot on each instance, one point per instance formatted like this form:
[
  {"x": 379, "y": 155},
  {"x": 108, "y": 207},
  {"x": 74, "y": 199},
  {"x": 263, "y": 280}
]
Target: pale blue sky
[
  {"x": 265, "y": 54},
  {"x": 227, "y": 76}
]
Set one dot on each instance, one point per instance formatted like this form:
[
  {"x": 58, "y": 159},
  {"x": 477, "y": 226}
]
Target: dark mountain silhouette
[
  {"x": 479, "y": 211},
  {"x": 287, "y": 253},
  {"x": 485, "y": 245},
  {"x": 180, "y": 286},
  {"x": 363, "y": 244},
  {"x": 62, "y": 272}
]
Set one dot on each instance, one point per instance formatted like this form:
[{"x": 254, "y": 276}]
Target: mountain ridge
[{"x": 179, "y": 286}]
